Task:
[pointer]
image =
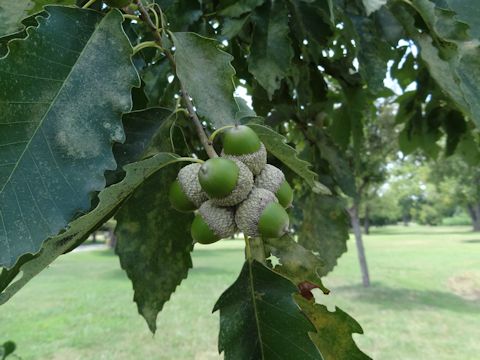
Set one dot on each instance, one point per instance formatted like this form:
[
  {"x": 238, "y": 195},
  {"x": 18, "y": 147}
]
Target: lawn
[{"x": 424, "y": 302}]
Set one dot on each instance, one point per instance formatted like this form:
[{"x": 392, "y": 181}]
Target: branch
[
  {"x": 193, "y": 115},
  {"x": 198, "y": 125}
]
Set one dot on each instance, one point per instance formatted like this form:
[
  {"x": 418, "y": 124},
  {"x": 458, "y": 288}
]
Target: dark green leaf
[
  {"x": 277, "y": 146},
  {"x": 153, "y": 244},
  {"x": 109, "y": 200},
  {"x": 183, "y": 13},
  {"x": 296, "y": 263},
  {"x": 323, "y": 228},
  {"x": 58, "y": 122},
  {"x": 156, "y": 81},
  {"x": 207, "y": 75},
  {"x": 231, "y": 27},
  {"x": 233, "y": 8},
  {"x": 334, "y": 331},
  {"x": 260, "y": 320},
  {"x": 271, "y": 51},
  {"x": 311, "y": 21},
  {"x": 451, "y": 56},
  {"x": 341, "y": 169},
  {"x": 373, "y": 53},
  {"x": 140, "y": 128}
]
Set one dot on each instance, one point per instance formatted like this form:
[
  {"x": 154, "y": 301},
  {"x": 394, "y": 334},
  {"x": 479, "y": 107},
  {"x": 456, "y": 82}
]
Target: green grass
[{"x": 424, "y": 302}]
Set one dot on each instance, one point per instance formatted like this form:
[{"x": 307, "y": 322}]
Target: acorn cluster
[{"x": 238, "y": 191}]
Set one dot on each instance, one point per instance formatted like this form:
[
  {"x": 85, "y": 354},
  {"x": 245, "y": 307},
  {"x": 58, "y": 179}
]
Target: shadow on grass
[
  {"x": 473, "y": 241},
  {"x": 408, "y": 299}
]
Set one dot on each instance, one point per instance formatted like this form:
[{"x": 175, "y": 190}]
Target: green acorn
[
  {"x": 213, "y": 223},
  {"x": 261, "y": 215},
  {"x": 273, "y": 179},
  {"x": 227, "y": 182},
  {"x": 118, "y": 3},
  {"x": 242, "y": 143},
  {"x": 186, "y": 194},
  {"x": 178, "y": 199}
]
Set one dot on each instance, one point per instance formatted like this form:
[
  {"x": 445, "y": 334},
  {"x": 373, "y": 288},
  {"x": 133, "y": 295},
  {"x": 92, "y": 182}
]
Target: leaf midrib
[
  {"x": 255, "y": 311},
  {"x": 40, "y": 123}
]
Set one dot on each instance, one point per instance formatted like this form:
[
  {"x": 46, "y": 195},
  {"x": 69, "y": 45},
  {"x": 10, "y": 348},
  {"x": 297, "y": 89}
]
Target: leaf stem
[
  {"x": 146, "y": 44},
  {"x": 191, "y": 110},
  {"x": 88, "y": 4},
  {"x": 255, "y": 249},
  {"x": 248, "y": 251},
  {"x": 219, "y": 130},
  {"x": 190, "y": 159},
  {"x": 131, "y": 17}
]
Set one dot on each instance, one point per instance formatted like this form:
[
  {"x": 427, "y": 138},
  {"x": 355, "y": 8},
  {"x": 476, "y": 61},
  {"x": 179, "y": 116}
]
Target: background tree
[{"x": 459, "y": 183}]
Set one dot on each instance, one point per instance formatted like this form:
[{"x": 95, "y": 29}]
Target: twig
[
  {"x": 198, "y": 125},
  {"x": 193, "y": 115}
]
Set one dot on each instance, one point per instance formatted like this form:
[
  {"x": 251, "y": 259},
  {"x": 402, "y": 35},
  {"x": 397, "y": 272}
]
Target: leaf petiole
[
  {"x": 219, "y": 130},
  {"x": 146, "y": 44},
  {"x": 88, "y": 4},
  {"x": 131, "y": 17},
  {"x": 190, "y": 159}
]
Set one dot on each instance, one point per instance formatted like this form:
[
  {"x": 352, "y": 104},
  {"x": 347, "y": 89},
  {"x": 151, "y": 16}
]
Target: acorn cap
[
  {"x": 255, "y": 161},
  {"x": 241, "y": 190},
  {"x": 248, "y": 212},
  {"x": 271, "y": 178},
  {"x": 188, "y": 179},
  {"x": 221, "y": 220}
]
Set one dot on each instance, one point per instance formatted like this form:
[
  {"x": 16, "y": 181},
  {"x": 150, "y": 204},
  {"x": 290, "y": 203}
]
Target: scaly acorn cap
[
  {"x": 241, "y": 190},
  {"x": 272, "y": 178},
  {"x": 188, "y": 179},
  {"x": 248, "y": 213},
  {"x": 221, "y": 220},
  {"x": 255, "y": 161}
]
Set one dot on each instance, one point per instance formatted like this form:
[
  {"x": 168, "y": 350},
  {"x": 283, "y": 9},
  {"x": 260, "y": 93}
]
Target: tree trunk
[
  {"x": 357, "y": 230},
  {"x": 405, "y": 219},
  {"x": 474, "y": 212},
  {"x": 366, "y": 222},
  {"x": 94, "y": 237},
  {"x": 112, "y": 239}
]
